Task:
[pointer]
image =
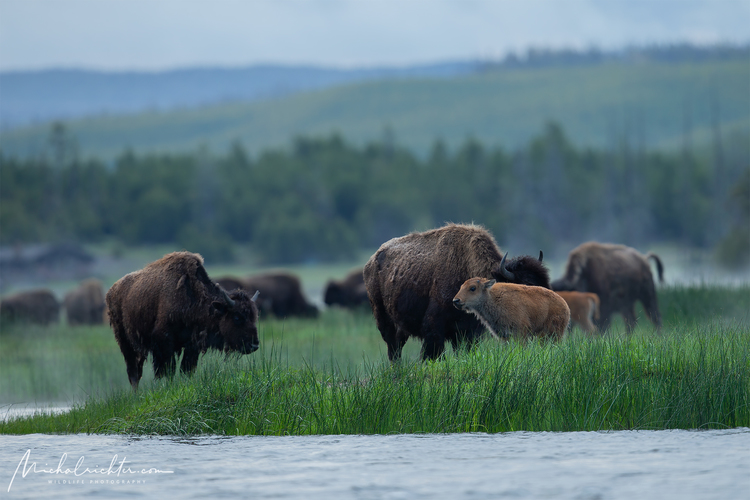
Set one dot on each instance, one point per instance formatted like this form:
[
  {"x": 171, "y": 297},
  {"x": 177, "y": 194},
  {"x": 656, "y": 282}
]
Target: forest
[{"x": 325, "y": 199}]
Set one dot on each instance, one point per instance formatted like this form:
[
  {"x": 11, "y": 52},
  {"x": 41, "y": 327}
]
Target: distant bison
[
  {"x": 171, "y": 306},
  {"x": 411, "y": 282},
  {"x": 619, "y": 275},
  {"x": 281, "y": 295},
  {"x": 584, "y": 309},
  {"x": 85, "y": 305},
  {"x": 35, "y": 306},
  {"x": 508, "y": 308},
  {"x": 349, "y": 292}
]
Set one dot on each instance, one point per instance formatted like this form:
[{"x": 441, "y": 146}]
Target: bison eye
[
  {"x": 473, "y": 289},
  {"x": 237, "y": 319}
]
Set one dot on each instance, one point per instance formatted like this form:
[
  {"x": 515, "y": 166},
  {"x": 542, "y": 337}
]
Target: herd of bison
[{"x": 446, "y": 284}]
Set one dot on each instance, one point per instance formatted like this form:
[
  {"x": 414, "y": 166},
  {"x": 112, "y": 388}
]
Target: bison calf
[
  {"x": 584, "y": 308},
  {"x": 171, "y": 306},
  {"x": 506, "y": 307}
]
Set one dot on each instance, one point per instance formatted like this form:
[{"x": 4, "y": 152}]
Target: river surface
[{"x": 578, "y": 465}]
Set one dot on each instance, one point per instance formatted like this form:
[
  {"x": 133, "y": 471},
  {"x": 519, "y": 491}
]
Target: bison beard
[
  {"x": 171, "y": 307},
  {"x": 411, "y": 282}
]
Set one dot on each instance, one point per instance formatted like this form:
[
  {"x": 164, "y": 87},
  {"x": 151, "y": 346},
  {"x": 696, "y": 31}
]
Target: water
[{"x": 578, "y": 465}]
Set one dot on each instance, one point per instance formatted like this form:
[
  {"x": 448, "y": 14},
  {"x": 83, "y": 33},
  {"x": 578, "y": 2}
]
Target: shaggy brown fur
[
  {"x": 411, "y": 282},
  {"x": 35, "y": 306},
  {"x": 619, "y": 275},
  {"x": 85, "y": 304},
  {"x": 507, "y": 308},
  {"x": 171, "y": 306},
  {"x": 349, "y": 292},
  {"x": 584, "y": 308}
]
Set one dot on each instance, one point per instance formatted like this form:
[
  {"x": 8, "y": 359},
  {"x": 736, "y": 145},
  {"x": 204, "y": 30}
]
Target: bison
[
  {"x": 349, "y": 292},
  {"x": 506, "y": 308},
  {"x": 411, "y": 282},
  {"x": 85, "y": 304},
  {"x": 171, "y": 306},
  {"x": 34, "y": 306},
  {"x": 619, "y": 275},
  {"x": 584, "y": 308},
  {"x": 280, "y": 294}
]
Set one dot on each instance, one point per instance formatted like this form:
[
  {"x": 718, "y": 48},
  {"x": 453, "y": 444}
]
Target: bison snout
[{"x": 457, "y": 303}]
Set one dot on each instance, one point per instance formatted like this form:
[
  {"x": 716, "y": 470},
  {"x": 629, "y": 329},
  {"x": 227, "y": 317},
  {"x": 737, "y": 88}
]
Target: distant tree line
[
  {"x": 540, "y": 57},
  {"x": 324, "y": 199}
]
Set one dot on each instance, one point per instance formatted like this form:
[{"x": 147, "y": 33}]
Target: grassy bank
[{"x": 329, "y": 376}]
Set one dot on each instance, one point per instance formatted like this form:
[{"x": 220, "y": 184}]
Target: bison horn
[
  {"x": 227, "y": 298},
  {"x": 255, "y": 295},
  {"x": 506, "y": 274},
  {"x": 541, "y": 255}
]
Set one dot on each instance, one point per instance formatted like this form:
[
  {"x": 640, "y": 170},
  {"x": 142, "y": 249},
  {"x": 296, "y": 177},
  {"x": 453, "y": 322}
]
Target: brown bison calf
[
  {"x": 506, "y": 308},
  {"x": 34, "y": 306},
  {"x": 584, "y": 308},
  {"x": 171, "y": 306},
  {"x": 85, "y": 304}
]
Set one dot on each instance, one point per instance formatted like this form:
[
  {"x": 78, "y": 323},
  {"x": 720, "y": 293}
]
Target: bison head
[
  {"x": 524, "y": 270},
  {"x": 472, "y": 293},
  {"x": 237, "y": 319}
]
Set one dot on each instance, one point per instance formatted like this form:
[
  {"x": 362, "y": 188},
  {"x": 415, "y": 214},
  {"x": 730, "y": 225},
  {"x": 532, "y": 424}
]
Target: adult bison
[
  {"x": 34, "y": 306},
  {"x": 172, "y": 306},
  {"x": 619, "y": 275},
  {"x": 349, "y": 292},
  {"x": 411, "y": 282},
  {"x": 282, "y": 295},
  {"x": 84, "y": 305}
]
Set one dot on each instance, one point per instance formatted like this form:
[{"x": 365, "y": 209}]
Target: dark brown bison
[
  {"x": 349, "y": 292},
  {"x": 35, "y": 306},
  {"x": 85, "y": 305},
  {"x": 510, "y": 309},
  {"x": 172, "y": 306},
  {"x": 619, "y": 275},
  {"x": 280, "y": 294},
  {"x": 411, "y": 282}
]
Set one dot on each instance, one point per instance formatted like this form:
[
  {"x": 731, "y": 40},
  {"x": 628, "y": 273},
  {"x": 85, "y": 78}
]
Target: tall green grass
[{"x": 322, "y": 377}]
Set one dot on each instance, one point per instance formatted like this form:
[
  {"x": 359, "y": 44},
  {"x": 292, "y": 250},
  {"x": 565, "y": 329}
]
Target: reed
[{"x": 694, "y": 373}]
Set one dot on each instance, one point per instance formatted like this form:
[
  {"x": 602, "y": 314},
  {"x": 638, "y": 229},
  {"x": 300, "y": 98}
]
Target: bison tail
[{"x": 659, "y": 266}]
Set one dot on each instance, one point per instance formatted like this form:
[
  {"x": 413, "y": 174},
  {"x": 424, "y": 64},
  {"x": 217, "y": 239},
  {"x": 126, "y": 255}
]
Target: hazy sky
[{"x": 166, "y": 34}]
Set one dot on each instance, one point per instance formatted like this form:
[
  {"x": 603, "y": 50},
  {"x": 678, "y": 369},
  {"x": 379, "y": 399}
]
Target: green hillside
[{"x": 653, "y": 102}]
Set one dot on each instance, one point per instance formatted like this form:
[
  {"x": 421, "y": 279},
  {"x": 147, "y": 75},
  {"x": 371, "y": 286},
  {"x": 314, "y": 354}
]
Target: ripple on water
[{"x": 579, "y": 465}]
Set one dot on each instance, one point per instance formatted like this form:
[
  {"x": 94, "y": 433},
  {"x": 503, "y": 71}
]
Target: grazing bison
[
  {"x": 171, "y": 306},
  {"x": 35, "y": 306},
  {"x": 85, "y": 304},
  {"x": 411, "y": 282},
  {"x": 584, "y": 308},
  {"x": 619, "y": 275},
  {"x": 349, "y": 292},
  {"x": 506, "y": 308},
  {"x": 282, "y": 295}
]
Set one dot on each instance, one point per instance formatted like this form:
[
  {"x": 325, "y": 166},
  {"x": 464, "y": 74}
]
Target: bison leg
[
  {"x": 433, "y": 332},
  {"x": 630, "y": 318},
  {"x": 164, "y": 363},
  {"x": 189, "y": 359},
  {"x": 605, "y": 318},
  {"x": 651, "y": 306},
  {"x": 133, "y": 360},
  {"x": 393, "y": 339}
]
